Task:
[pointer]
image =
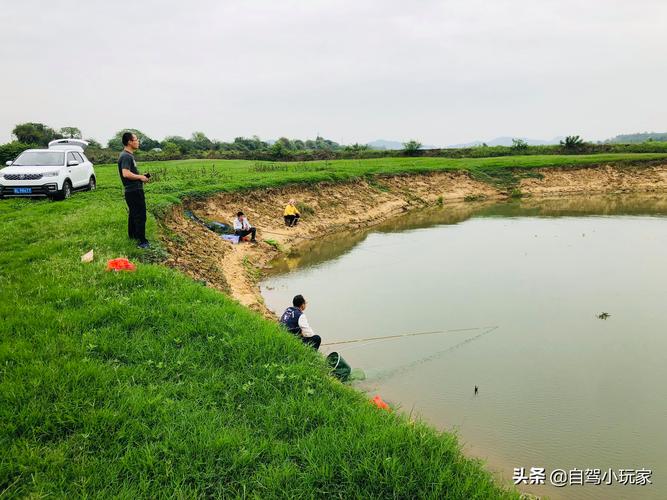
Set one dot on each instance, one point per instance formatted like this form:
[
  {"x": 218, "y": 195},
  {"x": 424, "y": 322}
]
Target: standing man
[
  {"x": 133, "y": 182},
  {"x": 296, "y": 323}
]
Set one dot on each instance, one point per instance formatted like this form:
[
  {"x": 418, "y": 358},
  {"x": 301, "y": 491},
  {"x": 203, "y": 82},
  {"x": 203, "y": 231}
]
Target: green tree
[
  {"x": 356, "y": 147},
  {"x": 285, "y": 142},
  {"x": 322, "y": 144},
  {"x": 70, "y": 133},
  {"x": 201, "y": 142},
  {"x": 280, "y": 149},
  {"x": 572, "y": 142},
  {"x": 519, "y": 145},
  {"x": 221, "y": 146},
  {"x": 115, "y": 142},
  {"x": 11, "y": 150},
  {"x": 252, "y": 144},
  {"x": 34, "y": 133},
  {"x": 411, "y": 148},
  {"x": 326, "y": 144},
  {"x": 171, "y": 150},
  {"x": 186, "y": 146}
]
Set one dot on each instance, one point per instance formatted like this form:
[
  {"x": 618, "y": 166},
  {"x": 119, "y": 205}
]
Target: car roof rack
[{"x": 76, "y": 144}]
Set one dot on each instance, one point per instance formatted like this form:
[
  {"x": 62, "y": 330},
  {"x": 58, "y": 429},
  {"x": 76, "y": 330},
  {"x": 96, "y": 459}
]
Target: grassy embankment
[{"x": 148, "y": 384}]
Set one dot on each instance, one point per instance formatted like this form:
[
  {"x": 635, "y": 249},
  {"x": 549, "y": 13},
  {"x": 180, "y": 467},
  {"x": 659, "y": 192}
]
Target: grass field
[
  {"x": 194, "y": 177},
  {"x": 149, "y": 384}
]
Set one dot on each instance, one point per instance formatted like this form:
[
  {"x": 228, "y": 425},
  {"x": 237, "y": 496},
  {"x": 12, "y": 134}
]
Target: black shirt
[{"x": 126, "y": 161}]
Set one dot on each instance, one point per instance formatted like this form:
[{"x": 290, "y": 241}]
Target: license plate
[{"x": 22, "y": 190}]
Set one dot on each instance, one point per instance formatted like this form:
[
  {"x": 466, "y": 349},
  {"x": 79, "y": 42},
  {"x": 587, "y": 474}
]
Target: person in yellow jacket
[{"x": 291, "y": 214}]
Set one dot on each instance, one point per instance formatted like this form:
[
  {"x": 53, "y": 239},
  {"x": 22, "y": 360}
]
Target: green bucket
[{"x": 339, "y": 367}]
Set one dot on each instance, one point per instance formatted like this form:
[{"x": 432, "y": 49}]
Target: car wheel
[
  {"x": 92, "y": 183},
  {"x": 66, "y": 191}
]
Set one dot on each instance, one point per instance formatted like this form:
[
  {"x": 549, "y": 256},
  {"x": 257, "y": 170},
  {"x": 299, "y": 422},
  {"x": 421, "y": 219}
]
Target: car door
[
  {"x": 75, "y": 172},
  {"x": 86, "y": 170}
]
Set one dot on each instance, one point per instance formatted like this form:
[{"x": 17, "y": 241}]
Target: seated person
[
  {"x": 291, "y": 214},
  {"x": 296, "y": 323},
  {"x": 243, "y": 228}
]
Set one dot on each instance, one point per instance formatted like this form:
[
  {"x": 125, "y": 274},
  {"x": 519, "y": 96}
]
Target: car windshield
[{"x": 40, "y": 159}]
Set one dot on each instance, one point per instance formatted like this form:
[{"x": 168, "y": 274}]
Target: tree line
[
  {"x": 198, "y": 145},
  {"x": 38, "y": 135}
]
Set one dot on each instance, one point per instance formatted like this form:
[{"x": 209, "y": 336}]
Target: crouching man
[
  {"x": 292, "y": 214},
  {"x": 243, "y": 228},
  {"x": 296, "y": 323}
]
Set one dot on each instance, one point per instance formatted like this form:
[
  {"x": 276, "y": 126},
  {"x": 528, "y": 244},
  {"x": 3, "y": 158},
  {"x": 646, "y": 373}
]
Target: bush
[
  {"x": 99, "y": 156},
  {"x": 519, "y": 145},
  {"x": 573, "y": 143},
  {"x": 305, "y": 209},
  {"x": 11, "y": 150},
  {"x": 412, "y": 147}
]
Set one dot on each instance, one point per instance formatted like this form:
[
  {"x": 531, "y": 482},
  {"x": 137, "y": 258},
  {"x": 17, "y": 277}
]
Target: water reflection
[{"x": 331, "y": 247}]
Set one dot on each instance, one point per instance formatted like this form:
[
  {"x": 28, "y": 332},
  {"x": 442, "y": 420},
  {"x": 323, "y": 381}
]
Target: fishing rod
[
  {"x": 411, "y": 334},
  {"x": 273, "y": 232}
]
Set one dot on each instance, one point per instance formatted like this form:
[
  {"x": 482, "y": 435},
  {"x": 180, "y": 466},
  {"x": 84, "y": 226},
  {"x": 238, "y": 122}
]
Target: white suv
[{"x": 55, "y": 172}]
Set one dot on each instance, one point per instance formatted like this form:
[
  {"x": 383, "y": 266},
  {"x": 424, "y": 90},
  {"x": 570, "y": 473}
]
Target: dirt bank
[{"x": 329, "y": 208}]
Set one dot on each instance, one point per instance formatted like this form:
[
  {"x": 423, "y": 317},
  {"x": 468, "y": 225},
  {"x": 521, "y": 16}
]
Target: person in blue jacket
[{"x": 296, "y": 322}]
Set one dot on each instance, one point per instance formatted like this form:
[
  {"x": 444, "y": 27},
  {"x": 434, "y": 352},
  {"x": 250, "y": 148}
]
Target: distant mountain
[
  {"x": 638, "y": 138},
  {"x": 507, "y": 141},
  {"x": 382, "y": 144}
]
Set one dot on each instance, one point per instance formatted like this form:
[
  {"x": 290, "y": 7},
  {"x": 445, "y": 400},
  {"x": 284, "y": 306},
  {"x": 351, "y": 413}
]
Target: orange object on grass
[
  {"x": 120, "y": 264},
  {"x": 377, "y": 401}
]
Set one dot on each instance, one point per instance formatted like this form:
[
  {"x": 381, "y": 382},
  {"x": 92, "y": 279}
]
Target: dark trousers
[
  {"x": 245, "y": 232},
  {"x": 313, "y": 341},
  {"x": 291, "y": 220},
  {"x": 136, "y": 221}
]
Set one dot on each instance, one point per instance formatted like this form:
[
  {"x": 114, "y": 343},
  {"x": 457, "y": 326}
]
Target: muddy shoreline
[{"x": 333, "y": 207}]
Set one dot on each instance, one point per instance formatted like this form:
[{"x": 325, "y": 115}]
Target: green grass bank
[{"x": 148, "y": 384}]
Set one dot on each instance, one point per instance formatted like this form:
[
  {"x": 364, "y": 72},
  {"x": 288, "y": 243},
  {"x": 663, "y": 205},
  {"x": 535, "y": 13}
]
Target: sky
[{"x": 441, "y": 72}]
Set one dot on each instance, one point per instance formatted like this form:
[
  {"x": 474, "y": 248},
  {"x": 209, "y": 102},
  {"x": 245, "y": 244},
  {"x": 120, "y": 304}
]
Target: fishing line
[
  {"x": 273, "y": 232},
  {"x": 409, "y": 334},
  {"x": 409, "y": 366},
  {"x": 287, "y": 234}
]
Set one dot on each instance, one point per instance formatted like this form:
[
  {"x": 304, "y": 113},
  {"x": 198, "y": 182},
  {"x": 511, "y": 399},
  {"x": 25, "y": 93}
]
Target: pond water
[{"x": 516, "y": 290}]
